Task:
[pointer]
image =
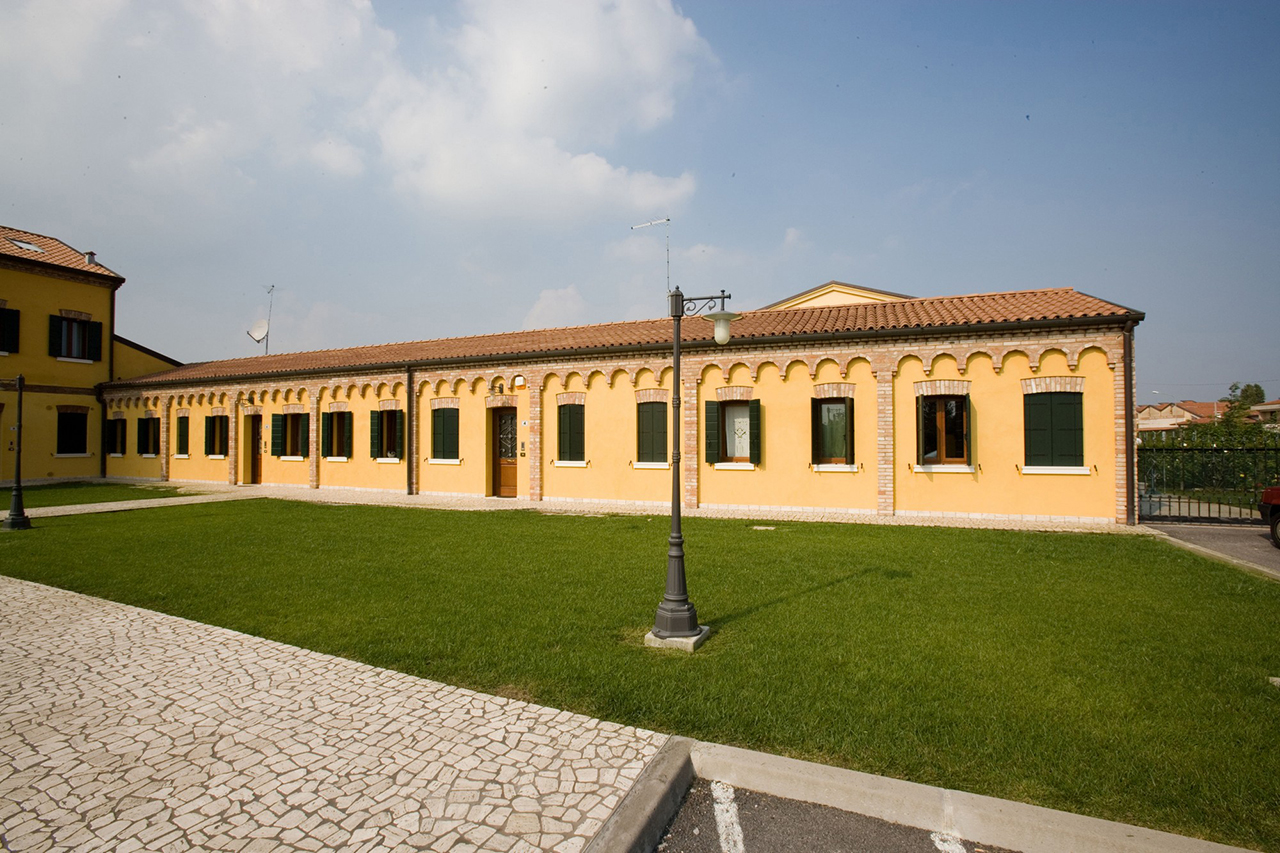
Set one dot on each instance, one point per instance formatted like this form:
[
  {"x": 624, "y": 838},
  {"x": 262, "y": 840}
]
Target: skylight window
[{"x": 23, "y": 244}]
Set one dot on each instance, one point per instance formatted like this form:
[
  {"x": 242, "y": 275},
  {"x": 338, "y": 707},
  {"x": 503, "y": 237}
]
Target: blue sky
[{"x": 404, "y": 171}]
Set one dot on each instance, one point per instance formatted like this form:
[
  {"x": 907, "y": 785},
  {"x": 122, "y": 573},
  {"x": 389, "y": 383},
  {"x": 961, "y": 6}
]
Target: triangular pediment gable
[{"x": 835, "y": 293}]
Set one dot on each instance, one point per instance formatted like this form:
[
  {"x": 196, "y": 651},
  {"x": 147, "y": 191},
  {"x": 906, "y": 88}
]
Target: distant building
[{"x": 1268, "y": 412}]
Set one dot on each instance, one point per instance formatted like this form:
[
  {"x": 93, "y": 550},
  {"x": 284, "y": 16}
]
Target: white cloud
[
  {"x": 338, "y": 157},
  {"x": 562, "y": 307}
]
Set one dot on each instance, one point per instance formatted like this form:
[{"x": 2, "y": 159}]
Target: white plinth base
[{"x": 684, "y": 644}]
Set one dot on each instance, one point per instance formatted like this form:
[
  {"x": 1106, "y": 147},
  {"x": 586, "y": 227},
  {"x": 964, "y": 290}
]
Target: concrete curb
[
  {"x": 1217, "y": 555},
  {"x": 637, "y": 825}
]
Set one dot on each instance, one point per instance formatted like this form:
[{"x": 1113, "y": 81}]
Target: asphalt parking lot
[
  {"x": 1248, "y": 542},
  {"x": 717, "y": 818}
]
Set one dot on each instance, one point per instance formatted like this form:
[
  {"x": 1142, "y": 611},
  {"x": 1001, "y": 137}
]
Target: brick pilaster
[
  {"x": 165, "y": 411},
  {"x": 233, "y": 443},
  {"x": 885, "y": 471},
  {"x": 535, "y": 439},
  {"x": 313, "y": 437},
  {"x": 689, "y": 455}
]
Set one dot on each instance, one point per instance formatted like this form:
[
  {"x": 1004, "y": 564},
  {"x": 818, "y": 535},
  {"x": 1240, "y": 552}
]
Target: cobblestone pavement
[{"x": 124, "y": 729}]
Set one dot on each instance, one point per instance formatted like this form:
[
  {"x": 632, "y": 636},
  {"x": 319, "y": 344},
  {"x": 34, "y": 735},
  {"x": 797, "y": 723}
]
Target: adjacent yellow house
[
  {"x": 1001, "y": 405},
  {"x": 57, "y": 321}
]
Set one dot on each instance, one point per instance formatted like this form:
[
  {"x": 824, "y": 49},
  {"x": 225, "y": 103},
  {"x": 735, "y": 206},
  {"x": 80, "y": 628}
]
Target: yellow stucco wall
[
  {"x": 786, "y": 476},
  {"x": 129, "y": 361},
  {"x": 609, "y": 435},
  {"x": 473, "y": 474},
  {"x": 37, "y": 297},
  {"x": 997, "y": 485}
]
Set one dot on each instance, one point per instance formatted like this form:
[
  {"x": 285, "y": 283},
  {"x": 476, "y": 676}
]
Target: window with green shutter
[
  {"x": 1053, "y": 429},
  {"x": 117, "y": 429},
  {"x": 75, "y": 339},
  {"x": 734, "y": 431},
  {"x": 571, "y": 438},
  {"x": 183, "y": 436},
  {"x": 10, "y": 326},
  {"x": 148, "y": 436},
  {"x": 651, "y": 432},
  {"x": 444, "y": 433},
  {"x": 942, "y": 430}
]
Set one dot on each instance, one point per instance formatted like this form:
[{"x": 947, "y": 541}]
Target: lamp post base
[
  {"x": 684, "y": 644},
  {"x": 20, "y": 522}
]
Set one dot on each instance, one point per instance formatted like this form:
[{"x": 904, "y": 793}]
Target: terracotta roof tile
[
  {"x": 49, "y": 250},
  {"x": 1062, "y": 304}
]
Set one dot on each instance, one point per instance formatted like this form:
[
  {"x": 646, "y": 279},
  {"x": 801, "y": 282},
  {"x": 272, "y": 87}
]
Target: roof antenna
[
  {"x": 667, "y": 222},
  {"x": 261, "y": 330}
]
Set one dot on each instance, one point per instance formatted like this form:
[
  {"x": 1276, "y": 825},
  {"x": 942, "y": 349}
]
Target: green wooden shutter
[
  {"x": 142, "y": 436},
  {"x": 919, "y": 429},
  {"x": 968, "y": 430},
  {"x": 55, "y": 335},
  {"x": 1068, "y": 428},
  {"x": 122, "y": 441},
  {"x": 208, "y": 435},
  {"x": 11, "y": 330},
  {"x": 95, "y": 341},
  {"x": 815, "y": 431},
  {"x": 563, "y": 453},
  {"x": 437, "y": 433},
  {"x": 451, "y": 433},
  {"x": 646, "y": 442},
  {"x": 375, "y": 433},
  {"x": 348, "y": 433},
  {"x": 399, "y": 434},
  {"x": 304, "y": 435},
  {"x": 184, "y": 433},
  {"x": 660, "y": 412},
  {"x": 1037, "y": 429},
  {"x": 713, "y": 432},
  {"x": 277, "y": 435},
  {"x": 755, "y": 422},
  {"x": 326, "y": 434},
  {"x": 848, "y": 430}
]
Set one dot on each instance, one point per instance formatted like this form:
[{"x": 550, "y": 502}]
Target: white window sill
[
  {"x": 434, "y": 461},
  {"x": 293, "y": 459},
  {"x": 181, "y": 456},
  {"x": 1057, "y": 469},
  {"x": 148, "y": 456},
  {"x": 116, "y": 455},
  {"x": 3, "y": 353},
  {"x": 944, "y": 469},
  {"x": 387, "y": 460},
  {"x": 735, "y": 466},
  {"x": 833, "y": 467},
  {"x": 569, "y": 463},
  {"x": 217, "y": 456},
  {"x": 335, "y": 459},
  {"x": 72, "y": 455},
  {"x": 75, "y": 360},
  {"x": 652, "y": 466}
]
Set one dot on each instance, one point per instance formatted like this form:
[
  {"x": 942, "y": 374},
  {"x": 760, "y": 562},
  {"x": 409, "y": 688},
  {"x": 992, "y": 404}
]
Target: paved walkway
[
  {"x": 124, "y": 729},
  {"x": 379, "y": 497}
]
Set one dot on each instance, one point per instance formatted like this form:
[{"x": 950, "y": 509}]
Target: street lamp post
[
  {"x": 17, "y": 518},
  {"x": 677, "y": 619}
]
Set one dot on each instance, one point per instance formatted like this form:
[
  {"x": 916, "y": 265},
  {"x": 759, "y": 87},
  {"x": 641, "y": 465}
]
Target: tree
[{"x": 1240, "y": 400}]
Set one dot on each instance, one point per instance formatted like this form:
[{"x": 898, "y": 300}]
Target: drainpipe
[
  {"x": 1131, "y": 462},
  {"x": 411, "y": 430},
  {"x": 111, "y": 376}
]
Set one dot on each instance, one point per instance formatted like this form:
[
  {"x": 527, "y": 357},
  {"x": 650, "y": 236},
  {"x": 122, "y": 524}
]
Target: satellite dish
[{"x": 258, "y": 331}]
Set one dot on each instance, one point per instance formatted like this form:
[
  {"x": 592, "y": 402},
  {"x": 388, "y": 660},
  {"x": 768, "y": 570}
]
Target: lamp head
[{"x": 722, "y": 319}]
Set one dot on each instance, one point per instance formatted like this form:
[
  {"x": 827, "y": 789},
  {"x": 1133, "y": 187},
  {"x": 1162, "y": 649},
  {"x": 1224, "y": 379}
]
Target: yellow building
[
  {"x": 57, "y": 322},
  {"x": 1001, "y": 405}
]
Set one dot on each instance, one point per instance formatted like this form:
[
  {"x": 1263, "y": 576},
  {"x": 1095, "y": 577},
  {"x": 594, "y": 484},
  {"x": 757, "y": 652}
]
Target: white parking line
[{"x": 727, "y": 818}]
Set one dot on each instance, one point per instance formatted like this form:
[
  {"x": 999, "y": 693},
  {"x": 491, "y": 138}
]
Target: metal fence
[{"x": 1205, "y": 483}]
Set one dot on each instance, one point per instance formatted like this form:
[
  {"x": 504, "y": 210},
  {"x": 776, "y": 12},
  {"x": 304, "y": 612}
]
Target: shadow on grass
[{"x": 891, "y": 574}]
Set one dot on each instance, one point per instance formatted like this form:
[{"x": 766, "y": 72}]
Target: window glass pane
[
  {"x": 73, "y": 430},
  {"x": 835, "y": 431},
  {"x": 929, "y": 429},
  {"x": 737, "y": 431},
  {"x": 953, "y": 419}
]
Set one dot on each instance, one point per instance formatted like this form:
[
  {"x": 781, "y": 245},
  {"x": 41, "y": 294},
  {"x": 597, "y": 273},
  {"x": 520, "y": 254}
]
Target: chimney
[{"x": 90, "y": 258}]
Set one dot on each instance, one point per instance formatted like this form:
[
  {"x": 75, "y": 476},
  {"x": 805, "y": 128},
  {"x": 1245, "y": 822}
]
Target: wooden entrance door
[
  {"x": 506, "y": 441},
  {"x": 253, "y": 449}
]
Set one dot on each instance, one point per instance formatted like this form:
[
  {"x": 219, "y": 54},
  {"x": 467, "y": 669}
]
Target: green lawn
[
  {"x": 64, "y": 494},
  {"x": 1115, "y": 676}
]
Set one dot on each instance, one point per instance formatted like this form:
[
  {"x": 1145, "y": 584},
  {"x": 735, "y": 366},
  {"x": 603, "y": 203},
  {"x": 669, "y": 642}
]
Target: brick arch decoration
[
  {"x": 734, "y": 392},
  {"x": 653, "y": 395},
  {"x": 827, "y": 390},
  {"x": 1049, "y": 384},
  {"x": 571, "y": 398},
  {"x": 939, "y": 387}
]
